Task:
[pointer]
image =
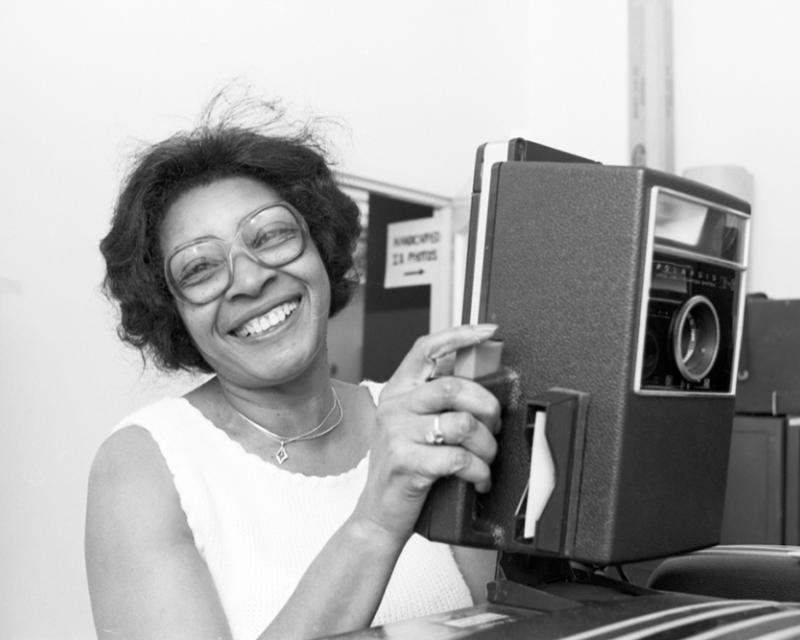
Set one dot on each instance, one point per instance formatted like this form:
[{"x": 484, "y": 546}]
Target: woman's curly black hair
[{"x": 293, "y": 165}]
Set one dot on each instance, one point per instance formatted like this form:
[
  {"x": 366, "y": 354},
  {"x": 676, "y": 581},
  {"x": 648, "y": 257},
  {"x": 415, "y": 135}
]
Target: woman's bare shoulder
[
  {"x": 129, "y": 480},
  {"x": 129, "y": 450}
]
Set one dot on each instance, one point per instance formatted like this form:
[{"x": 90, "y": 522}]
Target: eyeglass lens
[{"x": 271, "y": 236}]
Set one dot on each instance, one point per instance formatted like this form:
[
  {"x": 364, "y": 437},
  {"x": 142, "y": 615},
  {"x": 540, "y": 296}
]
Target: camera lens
[{"x": 695, "y": 338}]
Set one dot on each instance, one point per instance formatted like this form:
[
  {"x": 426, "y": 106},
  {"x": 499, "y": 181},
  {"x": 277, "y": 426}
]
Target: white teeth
[{"x": 267, "y": 321}]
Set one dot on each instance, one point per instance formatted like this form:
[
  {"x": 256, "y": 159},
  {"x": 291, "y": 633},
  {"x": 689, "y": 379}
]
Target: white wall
[
  {"x": 417, "y": 85},
  {"x": 737, "y": 101}
]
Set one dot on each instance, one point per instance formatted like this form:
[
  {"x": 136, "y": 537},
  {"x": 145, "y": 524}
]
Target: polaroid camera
[{"x": 619, "y": 296}]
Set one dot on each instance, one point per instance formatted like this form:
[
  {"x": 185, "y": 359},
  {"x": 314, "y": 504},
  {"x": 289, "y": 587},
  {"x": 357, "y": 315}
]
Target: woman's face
[{"x": 270, "y": 326}]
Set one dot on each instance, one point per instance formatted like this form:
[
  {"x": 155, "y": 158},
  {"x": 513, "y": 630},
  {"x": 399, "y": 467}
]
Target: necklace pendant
[{"x": 281, "y": 456}]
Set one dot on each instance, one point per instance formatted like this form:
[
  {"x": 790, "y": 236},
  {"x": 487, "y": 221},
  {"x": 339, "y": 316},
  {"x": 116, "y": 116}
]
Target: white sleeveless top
[{"x": 259, "y": 527}]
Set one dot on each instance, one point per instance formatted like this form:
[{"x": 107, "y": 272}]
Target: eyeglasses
[{"x": 202, "y": 270}]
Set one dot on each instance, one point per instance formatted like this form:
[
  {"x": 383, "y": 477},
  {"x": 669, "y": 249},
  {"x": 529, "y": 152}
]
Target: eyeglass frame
[{"x": 305, "y": 236}]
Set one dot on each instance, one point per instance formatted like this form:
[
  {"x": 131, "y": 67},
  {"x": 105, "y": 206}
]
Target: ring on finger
[{"x": 434, "y": 434}]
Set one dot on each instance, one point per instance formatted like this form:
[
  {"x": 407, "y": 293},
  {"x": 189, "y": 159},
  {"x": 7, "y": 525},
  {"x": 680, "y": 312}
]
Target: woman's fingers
[
  {"x": 430, "y": 427},
  {"x": 446, "y": 460},
  {"x": 455, "y": 394},
  {"x": 457, "y": 428},
  {"x": 420, "y": 362},
  {"x": 477, "y": 472}
]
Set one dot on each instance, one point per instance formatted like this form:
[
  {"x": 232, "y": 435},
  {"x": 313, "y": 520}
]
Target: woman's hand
[{"x": 427, "y": 429}]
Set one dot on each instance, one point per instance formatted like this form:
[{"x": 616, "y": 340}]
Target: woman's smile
[{"x": 267, "y": 322}]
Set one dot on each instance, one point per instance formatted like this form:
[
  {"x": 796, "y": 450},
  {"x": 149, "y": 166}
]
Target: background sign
[{"x": 416, "y": 251}]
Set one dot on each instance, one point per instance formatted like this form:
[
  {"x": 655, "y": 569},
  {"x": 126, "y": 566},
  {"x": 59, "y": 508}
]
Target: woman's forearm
[{"x": 343, "y": 586}]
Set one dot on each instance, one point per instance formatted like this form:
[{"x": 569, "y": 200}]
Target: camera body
[{"x": 619, "y": 294}]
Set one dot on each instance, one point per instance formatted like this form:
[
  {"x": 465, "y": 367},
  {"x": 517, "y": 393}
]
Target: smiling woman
[
  {"x": 271, "y": 501},
  {"x": 234, "y": 293}
]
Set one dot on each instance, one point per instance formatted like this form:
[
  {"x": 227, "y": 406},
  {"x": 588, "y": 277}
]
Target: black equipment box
[
  {"x": 619, "y": 293},
  {"x": 769, "y": 371}
]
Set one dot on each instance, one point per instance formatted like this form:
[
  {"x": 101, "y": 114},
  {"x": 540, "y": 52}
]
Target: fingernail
[
  {"x": 460, "y": 460},
  {"x": 485, "y": 329},
  {"x": 484, "y": 487}
]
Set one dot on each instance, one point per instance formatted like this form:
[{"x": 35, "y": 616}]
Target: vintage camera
[{"x": 619, "y": 293}]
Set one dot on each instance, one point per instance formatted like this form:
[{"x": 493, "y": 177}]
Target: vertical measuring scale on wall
[{"x": 650, "y": 76}]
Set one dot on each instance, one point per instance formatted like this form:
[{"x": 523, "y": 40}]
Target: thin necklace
[{"x": 281, "y": 456}]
